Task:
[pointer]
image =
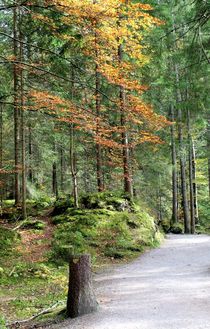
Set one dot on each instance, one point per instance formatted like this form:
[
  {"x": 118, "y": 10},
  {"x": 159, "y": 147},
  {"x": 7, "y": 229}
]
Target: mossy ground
[{"x": 34, "y": 273}]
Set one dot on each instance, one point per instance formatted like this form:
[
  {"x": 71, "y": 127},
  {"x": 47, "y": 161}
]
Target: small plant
[
  {"x": 34, "y": 224},
  {"x": 2, "y": 323}
]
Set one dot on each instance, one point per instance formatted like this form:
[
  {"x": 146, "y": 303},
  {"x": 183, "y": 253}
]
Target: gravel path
[{"x": 166, "y": 288}]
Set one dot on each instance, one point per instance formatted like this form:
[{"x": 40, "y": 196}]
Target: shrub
[
  {"x": 8, "y": 240},
  {"x": 34, "y": 224},
  {"x": 2, "y": 323},
  {"x": 177, "y": 228}
]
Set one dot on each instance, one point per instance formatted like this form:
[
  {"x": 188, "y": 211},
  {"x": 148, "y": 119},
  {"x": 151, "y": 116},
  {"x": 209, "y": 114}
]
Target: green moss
[
  {"x": 108, "y": 231},
  {"x": 9, "y": 239},
  {"x": 101, "y": 231},
  {"x": 115, "y": 253},
  {"x": 61, "y": 205},
  {"x": 34, "y": 224},
  {"x": 106, "y": 200},
  {"x": 177, "y": 228},
  {"x": 2, "y": 322}
]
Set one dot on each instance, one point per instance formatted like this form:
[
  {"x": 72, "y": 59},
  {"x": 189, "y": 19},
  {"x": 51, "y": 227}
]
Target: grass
[{"x": 24, "y": 294}]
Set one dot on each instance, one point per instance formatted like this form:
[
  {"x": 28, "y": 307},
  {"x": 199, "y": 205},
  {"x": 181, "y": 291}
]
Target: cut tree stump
[{"x": 81, "y": 298}]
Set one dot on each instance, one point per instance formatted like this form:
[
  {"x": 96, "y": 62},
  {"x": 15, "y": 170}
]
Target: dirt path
[
  {"x": 34, "y": 246},
  {"x": 166, "y": 288}
]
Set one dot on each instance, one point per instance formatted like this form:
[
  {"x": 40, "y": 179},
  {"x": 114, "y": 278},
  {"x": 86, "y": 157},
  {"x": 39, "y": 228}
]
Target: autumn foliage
[{"x": 105, "y": 27}]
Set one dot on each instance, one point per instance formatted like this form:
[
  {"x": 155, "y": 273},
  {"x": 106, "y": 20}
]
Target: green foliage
[
  {"x": 8, "y": 241},
  {"x": 177, "y": 228},
  {"x": 40, "y": 291},
  {"x": 11, "y": 214},
  {"x": 106, "y": 200},
  {"x": 61, "y": 205},
  {"x": 2, "y": 323},
  {"x": 203, "y": 226},
  {"x": 165, "y": 225},
  {"x": 101, "y": 231},
  {"x": 26, "y": 270},
  {"x": 34, "y": 224}
]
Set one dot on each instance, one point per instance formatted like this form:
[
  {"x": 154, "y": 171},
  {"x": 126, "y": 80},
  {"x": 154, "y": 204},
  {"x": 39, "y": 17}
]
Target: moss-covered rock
[
  {"x": 11, "y": 214},
  {"x": 61, "y": 205},
  {"x": 106, "y": 200},
  {"x": 177, "y": 228},
  {"x": 165, "y": 225},
  {"x": 102, "y": 231},
  {"x": 34, "y": 224}
]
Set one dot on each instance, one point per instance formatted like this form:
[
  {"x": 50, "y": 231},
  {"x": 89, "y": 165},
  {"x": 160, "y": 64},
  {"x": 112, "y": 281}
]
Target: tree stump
[{"x": 81, "y": 298}]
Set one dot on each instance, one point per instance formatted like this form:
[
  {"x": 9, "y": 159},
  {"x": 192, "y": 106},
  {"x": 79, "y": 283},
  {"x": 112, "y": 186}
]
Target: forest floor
[
  {"x": 168, "y": 287},
  {"x": 34, "y": 252}
]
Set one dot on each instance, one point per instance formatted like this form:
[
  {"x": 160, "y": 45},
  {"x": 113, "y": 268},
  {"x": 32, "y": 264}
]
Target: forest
[{"x": 104, "y": 139}]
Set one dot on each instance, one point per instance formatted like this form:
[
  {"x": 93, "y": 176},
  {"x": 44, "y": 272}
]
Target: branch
[
  {"x": 25, "y": 3},
  {"x": 202, "y": 47},
  {"x": 54, "y": 75},
  {"x": 43, "y": 312},
  {"x": 44, "y": 49},
  {"x": 14, "y": 5}
]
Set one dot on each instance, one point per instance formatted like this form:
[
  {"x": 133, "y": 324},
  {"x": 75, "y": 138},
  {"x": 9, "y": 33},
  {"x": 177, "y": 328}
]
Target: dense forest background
[
  {"x": 104, "y": 104},
  {"x": 79, "y": 113}
]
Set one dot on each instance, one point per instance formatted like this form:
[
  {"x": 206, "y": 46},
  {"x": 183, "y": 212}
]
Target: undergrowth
[{"x": 109, "y": 227}]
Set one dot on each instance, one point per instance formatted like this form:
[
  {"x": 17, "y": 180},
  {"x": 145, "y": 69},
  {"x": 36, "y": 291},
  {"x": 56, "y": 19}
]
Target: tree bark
[
  {"x": 54, "y": 177},
  {"x": 174, "y": 218},
  {"x": 159, "y": 193},
  {"x": 98, "y": 146},
  {"x": 195, "y": 189},
  {"x": 16, "y": 109},
  {"x": 192, "y": 209},
  {"x": 125, "y": 152},
  {"x": 99, "y": 170},
  {"x": 1, "y": 153},
  {"x": 208, "y": 151},
  {"x": 30, "y": 152},
  {"x": 81, "y": 299},
  {"x": 124, "y": 140},
  {"x": 73, "y": 154},
  {"x": 185, "y": 207},
  {"x": 23, "y": 143},
  {"x": 73, "y": 168},
  {"x": 62, "y": 169}
]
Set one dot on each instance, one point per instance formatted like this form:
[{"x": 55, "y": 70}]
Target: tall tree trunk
[
  {"x": 1, "y": 154},
  {"x": 208, "y": 150},
  {"x": 16, "y": 109},
  {"x": 62, "y": 169},
  {"x": 22, "y": 118},
  {"x": 159, "y": 194},
  {"x": 54, "y": 176},
  {"x": 30, "y": 135},
  {"x": 99, "y": 170},
  {"x": 174, "y": 218},
  {"x": 182, "y": 159},
  {"x": 73, "y": 168},
  {"x": 98, "y": 146},
  {"x": 73, "y": 153},
  {"x": 125, "y": 152},
  {"x": 192, "y": 209},
  {"x": 54, "y": 180},
  {"x": 195, "y": 189},
  {"x": 30, "y": 152}
]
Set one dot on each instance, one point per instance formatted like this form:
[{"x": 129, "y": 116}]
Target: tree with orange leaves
[{"x": 112, "y": 33}]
